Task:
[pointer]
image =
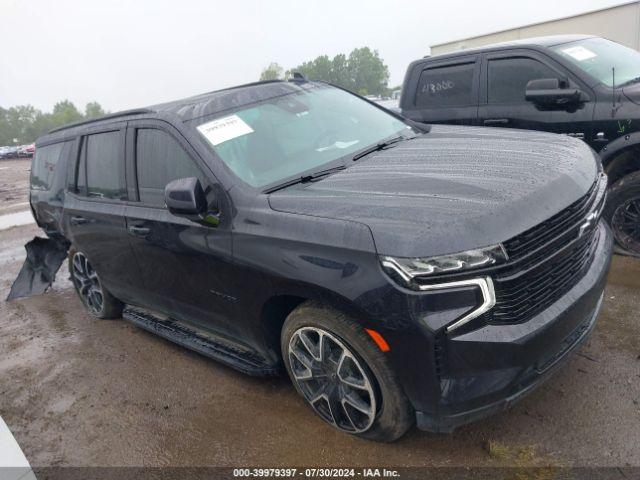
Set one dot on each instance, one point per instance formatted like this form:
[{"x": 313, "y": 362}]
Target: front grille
[
  {"x": 522, "y": 295},
  {"x": 550, "y": 259},
  {"x": 532, "y": 239}
]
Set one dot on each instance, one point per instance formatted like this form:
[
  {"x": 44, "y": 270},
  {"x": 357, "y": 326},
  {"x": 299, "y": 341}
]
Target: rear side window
[
  {"x": 101, "y": 169},
  {"x": 159, "y": 160},
  {"x": 508, "y": 78},
  {"x": 449, "y": 86},
  {"x": 45, "y": 165}
]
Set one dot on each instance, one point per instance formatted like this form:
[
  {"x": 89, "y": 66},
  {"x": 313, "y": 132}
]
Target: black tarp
[{"x": 44, "y": 258}]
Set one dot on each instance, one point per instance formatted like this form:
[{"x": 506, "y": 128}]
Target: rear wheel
[
  {"x": 623, "y": 213},
  {"x": 342, "y": 375},
  {"x": 96, "y": 299}
]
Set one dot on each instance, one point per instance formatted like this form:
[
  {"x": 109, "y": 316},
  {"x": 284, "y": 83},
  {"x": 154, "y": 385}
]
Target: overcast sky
[{"x": 132, "y": 53}]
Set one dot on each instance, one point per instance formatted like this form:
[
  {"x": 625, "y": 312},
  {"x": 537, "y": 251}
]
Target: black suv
[
  {"x": 397, "y": 273},
  {"x": 586, "y": 87}
]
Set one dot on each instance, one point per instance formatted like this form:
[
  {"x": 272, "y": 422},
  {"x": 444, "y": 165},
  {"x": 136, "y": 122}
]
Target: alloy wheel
[
  {"x": 626, "y": 225},
  {"x": 332, "y": 379},
  {"x": 87, "y": 283}
]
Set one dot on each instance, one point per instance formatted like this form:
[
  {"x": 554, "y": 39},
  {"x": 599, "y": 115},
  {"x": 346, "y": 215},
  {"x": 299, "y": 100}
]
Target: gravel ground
[
  {"x": 14, "y": 185},
  {"x": 77, "y": 391}
]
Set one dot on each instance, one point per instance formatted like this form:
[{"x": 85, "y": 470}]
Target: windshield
[
  {"x": 284, "y": 137},
  {"x": 597, "y": 57}
]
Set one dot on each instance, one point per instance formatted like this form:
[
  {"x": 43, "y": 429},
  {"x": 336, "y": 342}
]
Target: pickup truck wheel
[
  {"x": 96, "y": 299},
  {"x": 623, "y": 213},
  {"x": 342, "y": 375}
]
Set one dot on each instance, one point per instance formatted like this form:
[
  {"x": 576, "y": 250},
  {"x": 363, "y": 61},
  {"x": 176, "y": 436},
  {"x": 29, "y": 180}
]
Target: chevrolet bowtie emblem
[{"x": 589, "y": 222}]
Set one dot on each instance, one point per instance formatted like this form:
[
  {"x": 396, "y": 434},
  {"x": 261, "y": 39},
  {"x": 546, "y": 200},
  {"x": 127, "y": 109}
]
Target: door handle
[
  {"x": 78, "y": 220},
  {"x": 496, "y": 121},
  {"x": 139, "y": 231}
]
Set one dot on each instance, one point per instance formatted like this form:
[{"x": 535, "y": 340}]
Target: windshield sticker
[
  {"x": 579, "y": 53},
  {"x": 224, "y": 129},
  {"x": 339, "y": 145}
]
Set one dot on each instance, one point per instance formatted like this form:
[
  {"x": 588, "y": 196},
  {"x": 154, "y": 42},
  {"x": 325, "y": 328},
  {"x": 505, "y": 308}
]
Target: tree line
[
  {"x": 362, "y": 71},
  {"x": 23, "y": 124}
]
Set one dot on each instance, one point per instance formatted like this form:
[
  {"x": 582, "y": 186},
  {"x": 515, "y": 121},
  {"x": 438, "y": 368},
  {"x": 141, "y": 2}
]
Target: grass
[{"x": 523, "y": 461}]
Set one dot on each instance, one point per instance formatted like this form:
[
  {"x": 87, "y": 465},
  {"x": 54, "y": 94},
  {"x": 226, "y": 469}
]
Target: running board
[{"x": 246, "y": 361}]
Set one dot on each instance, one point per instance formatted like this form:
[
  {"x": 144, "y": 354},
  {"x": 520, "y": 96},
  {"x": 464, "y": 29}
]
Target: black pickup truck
[{"x": 583, "y": 86}]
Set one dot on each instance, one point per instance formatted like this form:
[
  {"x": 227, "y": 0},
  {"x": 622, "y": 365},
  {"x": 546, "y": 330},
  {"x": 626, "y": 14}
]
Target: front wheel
[
  {"x": 622, "y": 212},
  {"x": 342, "y": 375},
  {"x": 97, "y": 300}
]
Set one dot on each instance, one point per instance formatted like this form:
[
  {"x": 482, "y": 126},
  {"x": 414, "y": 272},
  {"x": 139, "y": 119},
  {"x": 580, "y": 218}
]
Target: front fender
[{"x": 611, "y": 150}]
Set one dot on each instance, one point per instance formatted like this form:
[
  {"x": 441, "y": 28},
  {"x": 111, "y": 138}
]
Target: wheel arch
[
  {"x": 278, "y": 306},
  {"x": 621, "y": 157}
]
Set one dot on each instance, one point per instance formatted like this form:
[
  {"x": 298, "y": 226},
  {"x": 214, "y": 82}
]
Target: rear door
[
  {"x": 505, "y": 75},
  {"x": 187, "y": 267},
  {"x": 94, "y": 210},
  {"x": 445, "y": 91}
]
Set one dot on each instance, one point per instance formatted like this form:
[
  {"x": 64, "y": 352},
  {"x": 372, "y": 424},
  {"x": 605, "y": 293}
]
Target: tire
[
  {"x": 623, "y": 206},
  {"x": 89, "y": 288},
  {"x": 389, "y": 414}
]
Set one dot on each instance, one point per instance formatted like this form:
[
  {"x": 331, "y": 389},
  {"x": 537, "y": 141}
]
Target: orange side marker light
[{"x": 381, "y": 342}]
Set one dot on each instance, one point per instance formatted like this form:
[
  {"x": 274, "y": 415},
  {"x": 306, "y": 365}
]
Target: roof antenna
[
  {"x": 298, "y": 77},
  {"x": 613, "y": 92},
  {"x": 613, "y": 85}
]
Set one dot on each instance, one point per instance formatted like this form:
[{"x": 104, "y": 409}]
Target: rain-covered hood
[{"x": 452, "y": 189}]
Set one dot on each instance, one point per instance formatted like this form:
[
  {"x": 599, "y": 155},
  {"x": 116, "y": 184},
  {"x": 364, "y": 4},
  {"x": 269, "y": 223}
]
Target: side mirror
[
  {"x": 185, "y": 198},
  {"x": 554, "y": 93}
]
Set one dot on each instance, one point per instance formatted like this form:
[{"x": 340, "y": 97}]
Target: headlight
[{"x": 406, "y": 269}]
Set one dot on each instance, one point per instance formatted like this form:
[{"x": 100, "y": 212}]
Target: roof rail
[{"x": 125, "y": 113}]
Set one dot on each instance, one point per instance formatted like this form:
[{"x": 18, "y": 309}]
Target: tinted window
[
  {"x": 102, "y": 159},
  {"x": 508, "y": 78},
  {"x": 45, "y": 165},
  {"x": 159, "y": 160},
  {"x": 448, "y": 86}
]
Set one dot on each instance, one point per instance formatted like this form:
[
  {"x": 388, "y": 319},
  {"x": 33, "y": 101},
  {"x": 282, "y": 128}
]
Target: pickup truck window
[
  {"x": 450, "y": 86},
  {"x": 598, "y": 56},
  {"x": 101, "y": 160},
  {"x": 159, "y": 160},
  {"x": 508, "y": 78}
]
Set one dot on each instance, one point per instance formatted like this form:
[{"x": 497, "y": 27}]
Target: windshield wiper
[
  {"x": 306, "y": 178},
  {"x": 328, "y": 171},
  {"x": 377, "y": 147}
]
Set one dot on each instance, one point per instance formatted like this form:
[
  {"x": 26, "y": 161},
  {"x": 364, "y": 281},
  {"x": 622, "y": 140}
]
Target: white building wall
[{"x": 620, "y": 24}]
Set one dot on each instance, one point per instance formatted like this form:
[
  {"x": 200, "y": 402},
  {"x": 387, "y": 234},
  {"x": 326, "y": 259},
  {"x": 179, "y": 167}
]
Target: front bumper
[{"x": 492, "y": 367}]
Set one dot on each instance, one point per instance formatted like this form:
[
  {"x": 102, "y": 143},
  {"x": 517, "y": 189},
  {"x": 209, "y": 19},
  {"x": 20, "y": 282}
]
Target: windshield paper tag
[
  {"x": 222, "y": 129},
  {"x": 579, "y": 53}
]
